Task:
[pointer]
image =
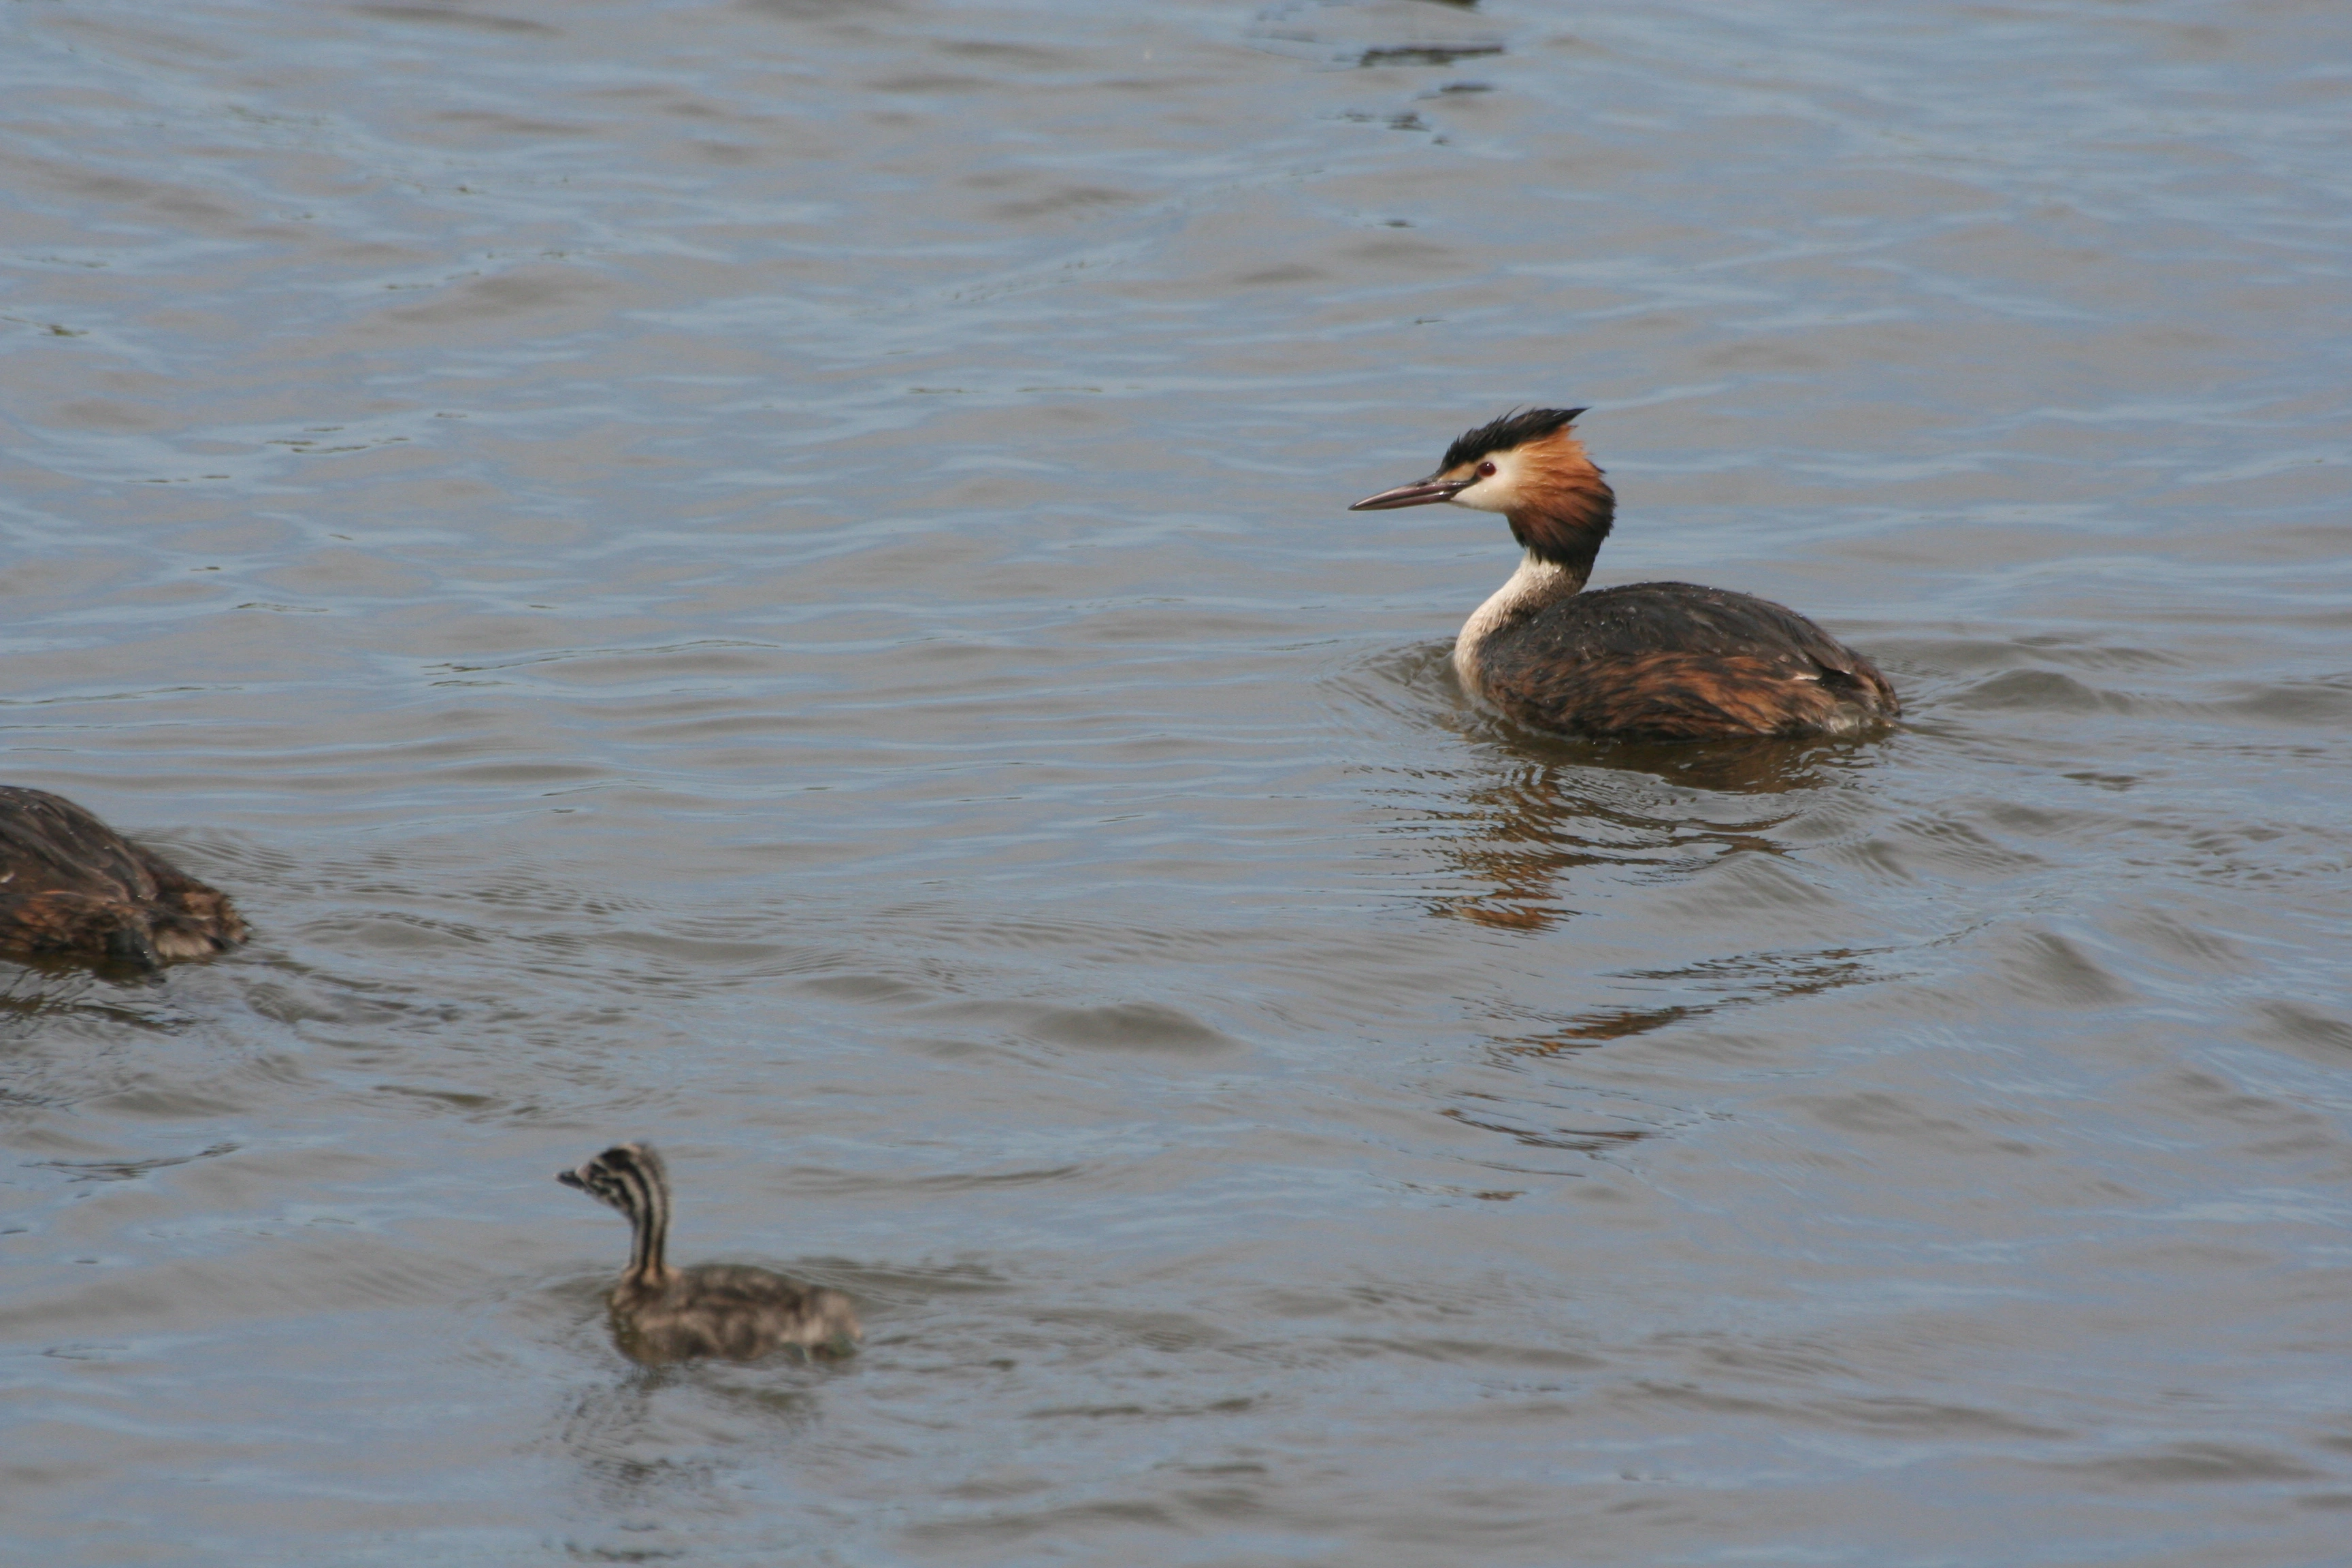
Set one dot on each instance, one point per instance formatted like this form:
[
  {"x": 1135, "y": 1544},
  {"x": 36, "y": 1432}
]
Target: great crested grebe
[
  {"x": 1644, "y": 661},
  {"x": 730, "y": 1309},
  {"x": 72, "y": 887}
]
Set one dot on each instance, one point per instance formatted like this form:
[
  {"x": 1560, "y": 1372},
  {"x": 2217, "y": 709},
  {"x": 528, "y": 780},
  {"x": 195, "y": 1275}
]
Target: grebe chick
[
  {"x": 1645, "y": 661},
  {"x": 72, "y": 887},
  {"x": 730, "y": 1309}
]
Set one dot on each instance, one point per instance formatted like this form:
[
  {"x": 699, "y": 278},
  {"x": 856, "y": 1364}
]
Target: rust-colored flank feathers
[
  {"x": 1645, "y": 661},
  {"x": 71, "y": 887},
  {"x": 726, "y": 1310}
]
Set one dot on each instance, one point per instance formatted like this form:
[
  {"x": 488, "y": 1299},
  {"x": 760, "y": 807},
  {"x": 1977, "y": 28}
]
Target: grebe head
[
  {"x": 630, "y": 1177},
  {"x": 627, "y": 1176},
  {"x": 1531, "y": 467},
  {"x": 1502, "y": 466}
]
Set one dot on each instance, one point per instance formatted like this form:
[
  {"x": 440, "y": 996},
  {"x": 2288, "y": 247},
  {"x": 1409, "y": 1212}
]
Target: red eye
[{"x": 1486, "y": 471}]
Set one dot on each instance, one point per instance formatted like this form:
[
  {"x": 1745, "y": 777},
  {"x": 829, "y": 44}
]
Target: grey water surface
[{"x": 770, "y": 576}]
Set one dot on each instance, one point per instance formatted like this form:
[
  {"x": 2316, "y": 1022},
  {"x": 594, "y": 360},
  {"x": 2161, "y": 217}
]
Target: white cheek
[{"x": 1489, "y": 494}]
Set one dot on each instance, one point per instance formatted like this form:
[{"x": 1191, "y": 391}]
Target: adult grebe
[
  {"x": 730, "y": 1309},
  {"x": 72, "y": 887},
  {"x": 1645, "y": 661}
]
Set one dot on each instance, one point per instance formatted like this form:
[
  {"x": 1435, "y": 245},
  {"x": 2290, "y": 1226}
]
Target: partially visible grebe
[
  {"x": 1645, "y": 661},
  {"x": 72, "y": 887},
  {"x": 730, "y": 1309}
]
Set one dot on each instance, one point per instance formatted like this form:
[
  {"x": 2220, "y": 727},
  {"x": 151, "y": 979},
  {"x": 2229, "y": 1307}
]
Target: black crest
[{"x": 1514, "y": 429}]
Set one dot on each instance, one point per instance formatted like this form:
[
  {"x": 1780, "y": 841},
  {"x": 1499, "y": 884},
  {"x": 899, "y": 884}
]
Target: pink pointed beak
[{"x": 1421, "y": 492}]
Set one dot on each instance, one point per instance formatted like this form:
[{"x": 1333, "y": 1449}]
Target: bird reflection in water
[
  {"x": 676, "y": 1441},
  {"x": 1746, "y": 981},
  {"x": 1601, "y": 804},
  {"x": 1570, "y": 1139},
  {"x": 1603, "y": 808}
]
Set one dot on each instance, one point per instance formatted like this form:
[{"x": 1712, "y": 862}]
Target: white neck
[{"x": 1534, "y": 580}]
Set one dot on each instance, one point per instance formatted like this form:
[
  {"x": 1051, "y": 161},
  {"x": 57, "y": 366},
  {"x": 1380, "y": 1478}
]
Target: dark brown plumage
[
  {"x": 726, "y": 1310},
  {"x": 71, "y": 887},
  {"x": 1646, "y": 661}
]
